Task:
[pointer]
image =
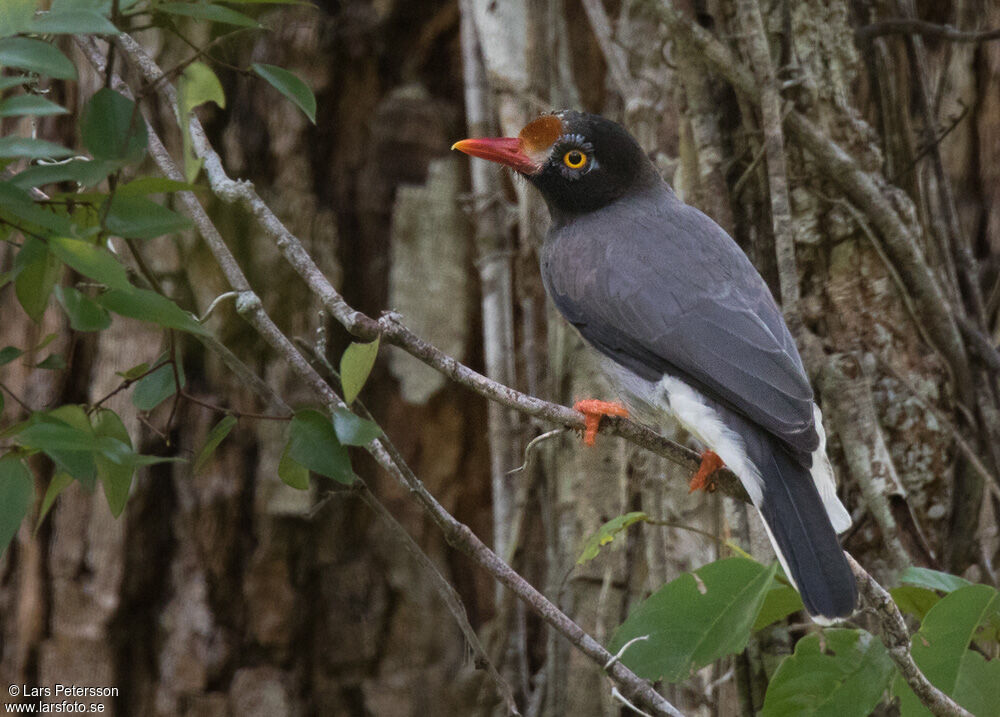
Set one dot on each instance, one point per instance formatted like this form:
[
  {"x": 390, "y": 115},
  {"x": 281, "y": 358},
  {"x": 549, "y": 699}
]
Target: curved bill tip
[{"x": 508, "y": 151}]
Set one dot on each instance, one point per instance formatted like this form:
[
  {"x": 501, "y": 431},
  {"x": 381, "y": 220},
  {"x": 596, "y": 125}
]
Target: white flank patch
[{"x": 702, "y": 421}]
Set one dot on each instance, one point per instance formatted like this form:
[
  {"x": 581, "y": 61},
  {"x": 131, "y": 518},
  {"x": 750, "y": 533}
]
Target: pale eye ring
[{"x": 574, "y": 159}]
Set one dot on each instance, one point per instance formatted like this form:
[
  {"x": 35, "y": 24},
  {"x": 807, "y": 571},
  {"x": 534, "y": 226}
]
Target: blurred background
[{"x": 228, "y": 593}]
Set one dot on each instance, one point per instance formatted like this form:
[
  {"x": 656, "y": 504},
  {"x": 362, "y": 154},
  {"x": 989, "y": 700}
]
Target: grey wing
[{"x": 700, "y": 313}]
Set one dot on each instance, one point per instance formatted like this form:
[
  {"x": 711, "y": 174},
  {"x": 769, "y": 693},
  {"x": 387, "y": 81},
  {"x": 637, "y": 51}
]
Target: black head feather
[{"x": 613, "y": 164}]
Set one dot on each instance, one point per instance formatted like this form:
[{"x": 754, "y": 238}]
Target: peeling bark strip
[{"x": 774, "y": 149}]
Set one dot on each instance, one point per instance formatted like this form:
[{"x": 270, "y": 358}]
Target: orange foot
[
  {"x": 593, "y": 410},
  {"x": 702, "y": 480}
]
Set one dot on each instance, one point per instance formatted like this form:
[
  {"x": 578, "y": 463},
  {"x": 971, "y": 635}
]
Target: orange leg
[
  {"x": 593, "y": 410},
  {"x": 702, "y": 480}
]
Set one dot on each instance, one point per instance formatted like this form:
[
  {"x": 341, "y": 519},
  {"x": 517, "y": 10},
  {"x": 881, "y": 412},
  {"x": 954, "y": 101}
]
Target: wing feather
[{"x": 679, "y": 297}]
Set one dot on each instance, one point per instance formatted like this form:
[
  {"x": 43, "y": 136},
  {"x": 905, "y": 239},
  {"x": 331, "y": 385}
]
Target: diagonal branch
[
  {"x": 456, "y": 533},
  {"x": 893, "y": 633}
]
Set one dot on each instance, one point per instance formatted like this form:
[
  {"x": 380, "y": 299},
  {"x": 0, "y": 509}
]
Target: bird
[{"x": 688, "y": 328}]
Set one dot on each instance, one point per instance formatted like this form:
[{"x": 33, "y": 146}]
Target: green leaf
[
  {"x": 141, "y": 218},
  {"x": 9, "y": 353},
  {"x": 933, "y": 579},
  {"x": 978, "y": 685},
  {"x": 17, "y": 492},
  {"x": 150, "y": 306},
  {"x": 606, "y": 533},
  {"x": 155, "y": 388},
  {"x": 215, "y": 437},
  {"x": 8, "y": 81},
  {"x": 153, "y": 185},
  {"x": 52, "y": 362},
  {"x": 112, "y": 127},
  {"x": 290, "y": 86},
  {"x": 34, "y": 283},
  {"x": 36, "y": 56},
  {"x": 30, "y": 217},
  {"x": 15, "y": 16},
  {"x": 84, "y": 172},
  {"x": 199, "y": 85},
  {"x": 841, "y": 673},
  {"x": 940, "y": 646},
  {"x": 115, "y": 476},
  {"x": 60, "y": 481},
  {"x": 84, "y": 313},
  {"x": 93, "y": 261},
  {"x": 27, "y": 148},
  {"x": 83, "y": 21},
  {"x": 694, "y": 620},
  {"x": 134, "y": 372},
  {"x": 29, "y": 105},
  {"x": 213, "y": 13},
  {"x": 313, "y": 444},
  {"x": 64, "y": 435},
  {"x": 914, "y": 600},
  {"x": 292, "y": 474},
  {"x": 46, "y": 340},
  {"x": 353, "y": 430},
  {"x": 781, "y": 601},
  {"x": 355, "y": 366}
]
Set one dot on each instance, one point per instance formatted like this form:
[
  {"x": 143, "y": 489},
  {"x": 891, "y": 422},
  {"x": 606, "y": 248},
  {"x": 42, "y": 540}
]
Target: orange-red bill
[{"x": 508, "y": 151}]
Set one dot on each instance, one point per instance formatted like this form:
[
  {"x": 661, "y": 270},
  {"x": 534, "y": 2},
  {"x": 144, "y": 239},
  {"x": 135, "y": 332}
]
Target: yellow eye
[{"x": 574, "y": 159}]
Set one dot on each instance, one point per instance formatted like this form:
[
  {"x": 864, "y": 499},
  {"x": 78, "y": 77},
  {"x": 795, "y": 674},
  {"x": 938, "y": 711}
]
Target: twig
[
  {"x": 614, "y": 55},
  {"x": 911, "y": 26},
  {"x": 232, "y": 411},
  {"x": 13, "y": 395},
  {"x": 461, "y": 537},
  {"x": 448, "y": 594}
]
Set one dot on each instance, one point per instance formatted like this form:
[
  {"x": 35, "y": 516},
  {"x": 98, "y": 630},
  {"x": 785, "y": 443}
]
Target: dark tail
[{"x": 801, "y": 531}]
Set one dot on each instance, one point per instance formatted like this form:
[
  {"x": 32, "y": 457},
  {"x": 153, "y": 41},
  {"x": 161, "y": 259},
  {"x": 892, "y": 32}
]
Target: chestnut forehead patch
[{"x": 542, "y": 133}]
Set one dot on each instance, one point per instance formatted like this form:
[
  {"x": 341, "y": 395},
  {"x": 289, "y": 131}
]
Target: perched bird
[{"x": 690, "y": 328}]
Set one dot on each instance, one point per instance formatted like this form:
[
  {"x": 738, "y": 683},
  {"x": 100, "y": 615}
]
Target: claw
[
  {"x": 702, "y": 479},
  {"x": 593, "y": 410}
]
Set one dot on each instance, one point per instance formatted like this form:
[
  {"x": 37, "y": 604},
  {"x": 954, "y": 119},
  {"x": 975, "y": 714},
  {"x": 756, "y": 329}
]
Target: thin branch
[
  {"x": 16, "y": 398},
  {"x": 893, "y": 633},
  {"x": 912, "y": 26},
  {"x": 388, "y": 327},
  {"x": 461, "y": 537},
  {"x": 614, "y": 55},
  {"x": 448, "y": 594},
  {"x": 456, "y": 533}
]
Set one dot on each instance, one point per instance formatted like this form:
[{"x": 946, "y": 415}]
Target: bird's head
[{"x": 579, "y": 162}]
